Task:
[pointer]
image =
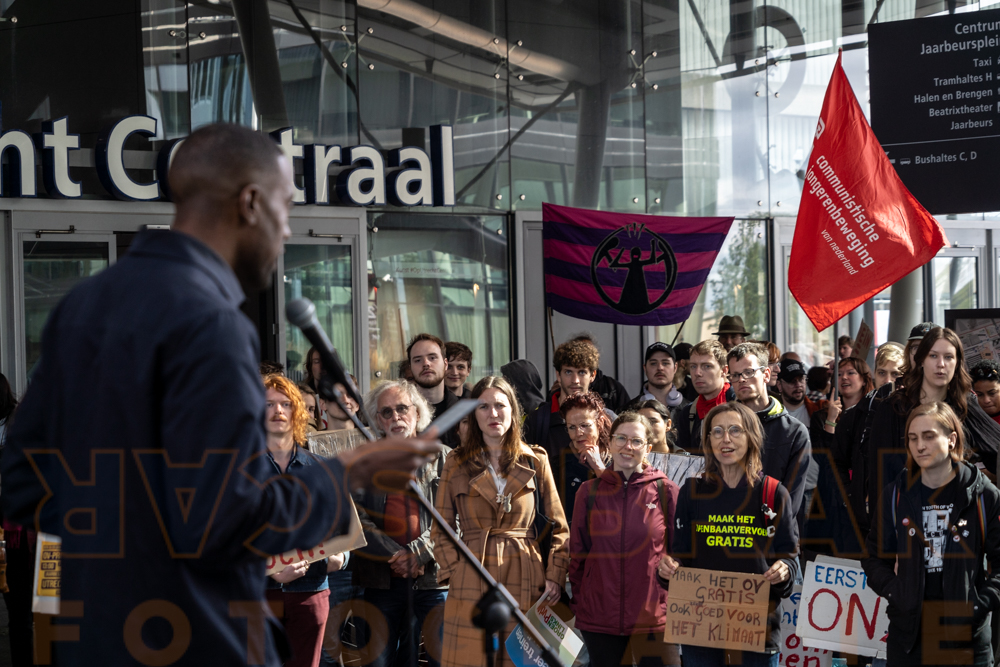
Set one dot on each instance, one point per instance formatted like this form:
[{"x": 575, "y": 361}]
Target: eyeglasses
[
  {"x": 745, "y": 375},
  {"x": 401, "y": 410},
  {"x": 585, "y": 427},
  {"x": 734, "y": 432},
  {"x": 621, "y": 441}
]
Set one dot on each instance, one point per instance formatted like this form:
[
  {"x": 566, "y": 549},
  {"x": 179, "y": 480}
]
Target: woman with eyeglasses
[
  {"x": 397, "y": 568},
  {"x": 724, "y": 522},
  {"x": 492, "y": 487},
  {"x": 928, "y": 551},
  {"x": 986, "y": 384},
  {"x": 588, "y": 426},
  {"x": 622, "y": 527}
]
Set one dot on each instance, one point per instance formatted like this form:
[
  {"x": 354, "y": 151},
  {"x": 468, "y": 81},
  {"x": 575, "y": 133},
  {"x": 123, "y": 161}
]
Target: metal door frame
[{"x": 321, "y": 226}]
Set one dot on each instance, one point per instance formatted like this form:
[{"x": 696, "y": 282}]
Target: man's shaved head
[
  {"x": 233, "y": 190},
  {"x": 217, "y": 161}
]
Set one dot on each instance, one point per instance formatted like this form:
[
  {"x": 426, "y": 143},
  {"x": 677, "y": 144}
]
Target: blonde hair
[
  {"x": 946, "y": 419},
  {"x": 890, "y": 352},
  {"x": 300, "y": 413}
]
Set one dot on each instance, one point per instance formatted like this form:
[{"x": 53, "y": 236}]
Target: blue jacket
[
  {"x": 140, "y": 441},
  {"x": 314, "y": 580}
]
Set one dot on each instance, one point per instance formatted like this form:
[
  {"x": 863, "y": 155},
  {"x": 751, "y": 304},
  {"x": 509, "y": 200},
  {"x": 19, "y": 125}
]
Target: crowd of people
[{"x": 895, "y": 467}]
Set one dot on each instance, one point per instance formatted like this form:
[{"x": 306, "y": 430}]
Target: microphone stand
[
  {"x": 496, "y": 606},
  {"x": 491, "y": 604}
]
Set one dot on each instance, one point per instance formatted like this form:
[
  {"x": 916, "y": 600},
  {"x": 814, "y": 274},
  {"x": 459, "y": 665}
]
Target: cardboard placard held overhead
[
  {"x": 718, "y": 609},
  {"x": 863, "y": 341},
  {"x": 353, "y": 539}
]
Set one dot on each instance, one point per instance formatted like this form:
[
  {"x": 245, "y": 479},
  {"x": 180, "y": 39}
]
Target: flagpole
[
  {"x": 552, "y": 333},
  {"x": 678, "y": 334}
]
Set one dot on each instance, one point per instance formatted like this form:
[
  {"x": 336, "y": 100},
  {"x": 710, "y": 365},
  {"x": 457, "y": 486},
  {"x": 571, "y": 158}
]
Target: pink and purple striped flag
[{"x": 621, "y": 268}]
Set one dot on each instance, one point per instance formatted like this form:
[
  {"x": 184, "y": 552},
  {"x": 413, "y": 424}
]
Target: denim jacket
[{"x": 314, "y": 579}]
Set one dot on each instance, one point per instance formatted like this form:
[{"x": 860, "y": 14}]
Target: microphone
[{"x": 302, "y": 313}]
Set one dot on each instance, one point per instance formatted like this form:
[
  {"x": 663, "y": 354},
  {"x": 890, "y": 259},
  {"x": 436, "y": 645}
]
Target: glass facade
[
  {"x": 444, "y": 275},
  {"x": 50, "y": 270},
  {"x": 322, "y": 274},
  {"x": 675, "y": 107}
]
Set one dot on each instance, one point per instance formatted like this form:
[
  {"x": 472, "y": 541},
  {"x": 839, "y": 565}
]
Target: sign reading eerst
[
  {"x": 717, "y": 609},
  {"x": 934, "y": 107}
]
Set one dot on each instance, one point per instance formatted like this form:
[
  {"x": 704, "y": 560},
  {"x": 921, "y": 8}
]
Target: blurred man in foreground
[{"x": 164, "y": 525}]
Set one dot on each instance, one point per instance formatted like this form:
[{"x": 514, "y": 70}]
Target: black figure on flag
[{"x": 629, "y": 242}]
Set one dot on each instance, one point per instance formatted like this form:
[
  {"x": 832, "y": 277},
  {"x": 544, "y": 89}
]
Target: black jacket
[
  {"x": 887, "y": 448},
  {"x": 611, "y": 391},
  {"x": 850, "y": 454},
  {"x": 687, "y": 424},
  {"x": 527, "y": 383},
  {"x": 787, "y": 452},
  {"x": 148, "y": 385},
  {"x": 547, "y": 429},
  {"x": 965, "y": 579},
  {"x": 737, "y": 546}
]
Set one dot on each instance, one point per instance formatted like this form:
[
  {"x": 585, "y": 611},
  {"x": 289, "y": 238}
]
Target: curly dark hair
[
  {"x": 578, "y": 354},
  {"x": 593, "y": 402},
  {"x": 986, "y": 370}
]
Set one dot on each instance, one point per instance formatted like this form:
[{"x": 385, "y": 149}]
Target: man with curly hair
[{"x": 576, "y": 363}]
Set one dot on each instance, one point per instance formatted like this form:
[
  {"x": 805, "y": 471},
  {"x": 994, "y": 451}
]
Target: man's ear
[
  {"x": 593, "y": 375},
  {"x": 248, "y": 202}
]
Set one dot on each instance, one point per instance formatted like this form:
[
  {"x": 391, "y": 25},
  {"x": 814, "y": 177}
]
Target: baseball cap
[
  {"x": 919, "y": 331},
  {"x": 683, "y": 351},
  {"x": 659, "y": 347},
  {"x": 791, "y": 369}
]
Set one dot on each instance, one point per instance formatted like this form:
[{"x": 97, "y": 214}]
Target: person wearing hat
[
  {"x": 731, "y": 331},
  {"x": 660, "y": 366},
  {"x": 792, "y": 388}
]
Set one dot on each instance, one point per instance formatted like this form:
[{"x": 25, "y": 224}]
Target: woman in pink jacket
[{"x": 622, "y": 524}]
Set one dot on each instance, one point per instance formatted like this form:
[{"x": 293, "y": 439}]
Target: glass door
[
  {"x": 50, "y": 264},
  {"x": 954, "y": 281},
  {"x": 321, "y": 264}
]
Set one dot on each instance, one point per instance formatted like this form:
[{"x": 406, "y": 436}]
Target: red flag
[{"x": 859, "y": 229}]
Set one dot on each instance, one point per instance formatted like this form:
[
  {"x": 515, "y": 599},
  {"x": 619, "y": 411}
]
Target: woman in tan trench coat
[{"x": 487, "y": 489}]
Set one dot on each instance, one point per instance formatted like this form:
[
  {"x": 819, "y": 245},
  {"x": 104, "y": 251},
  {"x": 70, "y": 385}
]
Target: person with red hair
[{"x": 302, "y": 587}]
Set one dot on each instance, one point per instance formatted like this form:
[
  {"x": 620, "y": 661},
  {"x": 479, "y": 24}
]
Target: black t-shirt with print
[{"x": 937, "y": 505}]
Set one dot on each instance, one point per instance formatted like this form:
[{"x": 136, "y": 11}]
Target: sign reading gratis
[{"x": 407, "y": 177}]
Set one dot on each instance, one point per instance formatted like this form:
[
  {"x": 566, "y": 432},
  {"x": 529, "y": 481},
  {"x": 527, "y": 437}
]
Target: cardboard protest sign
[
  {"x": 353, "y": 539},
  {"x": 48, "y": 575},
  {"x": 793, "y": 653},
  {"x": 558, "y": 633},
  {"x": 717, "y": 609},
  {"x": 838, "y": 610},
  {"x": 863, "y": 342}
]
